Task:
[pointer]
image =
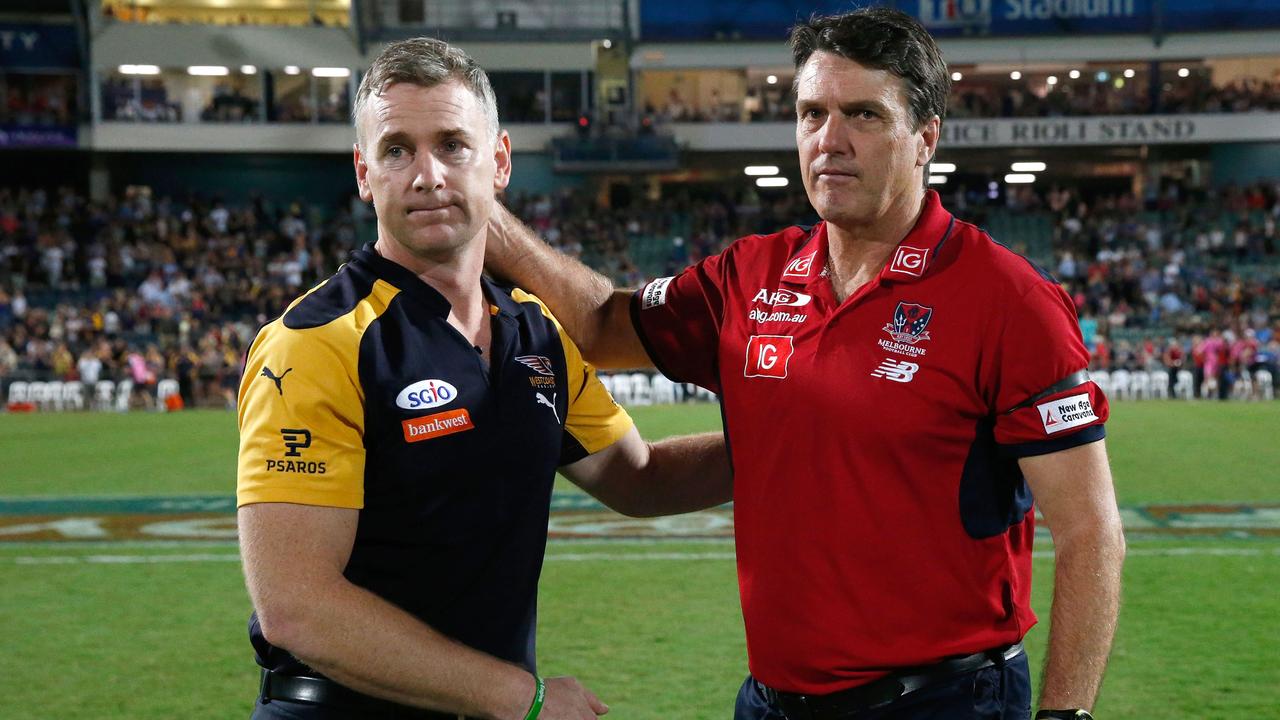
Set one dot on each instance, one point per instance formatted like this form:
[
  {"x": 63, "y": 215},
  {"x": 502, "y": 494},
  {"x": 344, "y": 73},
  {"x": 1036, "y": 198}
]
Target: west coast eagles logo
[
  {"x": 540, "y": 364},
  {"x": 909, "y": 323}
]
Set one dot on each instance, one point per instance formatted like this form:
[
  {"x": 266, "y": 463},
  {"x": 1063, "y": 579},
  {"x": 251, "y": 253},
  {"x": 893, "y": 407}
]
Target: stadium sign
[
  {"x": 1118, "y": 130},
  {"x": 38, "y": 47}
]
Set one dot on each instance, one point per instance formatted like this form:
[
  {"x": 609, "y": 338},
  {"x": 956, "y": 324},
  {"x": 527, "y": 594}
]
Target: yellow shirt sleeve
[
  {"x": 301, "y": 417},
  {"x": 594, "y": 420}
]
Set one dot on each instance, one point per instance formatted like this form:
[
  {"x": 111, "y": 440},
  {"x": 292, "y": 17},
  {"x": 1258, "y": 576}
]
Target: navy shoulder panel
[
  {"x": 338, "y": 296},
  {"x": 1044, "y": 274}
]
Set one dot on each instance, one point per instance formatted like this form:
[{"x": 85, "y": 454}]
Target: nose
[
  {"x": 832, "y": 137},
  {"x": 430, "y": 177}
]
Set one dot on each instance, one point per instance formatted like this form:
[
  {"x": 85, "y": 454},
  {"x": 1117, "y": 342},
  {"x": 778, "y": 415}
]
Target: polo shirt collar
[{"x": 910, "y": 261}]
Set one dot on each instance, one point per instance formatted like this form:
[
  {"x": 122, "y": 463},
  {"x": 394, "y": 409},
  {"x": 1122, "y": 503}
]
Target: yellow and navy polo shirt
[{"x": 363, "y": 396}]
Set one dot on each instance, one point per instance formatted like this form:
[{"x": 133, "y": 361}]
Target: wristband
[
  {"x": 539, "y": 694},
  {"x": 1072, "y": 714}
]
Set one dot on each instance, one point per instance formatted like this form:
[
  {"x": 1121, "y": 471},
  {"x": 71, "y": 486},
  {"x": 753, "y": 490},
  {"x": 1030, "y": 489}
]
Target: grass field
[{"x": 156, "y": 629}]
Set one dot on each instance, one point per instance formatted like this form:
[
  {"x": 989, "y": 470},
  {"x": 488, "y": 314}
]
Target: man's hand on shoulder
[{"x": 567, "y": 699}]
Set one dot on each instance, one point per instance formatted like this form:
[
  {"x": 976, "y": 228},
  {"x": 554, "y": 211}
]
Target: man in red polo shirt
[{"x": 897, "y": 387}]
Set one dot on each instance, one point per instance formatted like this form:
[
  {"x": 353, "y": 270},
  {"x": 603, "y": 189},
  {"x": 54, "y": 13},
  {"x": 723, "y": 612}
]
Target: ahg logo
[{"x": 768, "y": 356}]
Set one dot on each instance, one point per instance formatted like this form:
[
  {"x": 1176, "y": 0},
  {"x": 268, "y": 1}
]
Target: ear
[
  {"x": 362, "y": 173},
  {"x": 502, "y": 159},
  {"x": 928, "y": 145}
]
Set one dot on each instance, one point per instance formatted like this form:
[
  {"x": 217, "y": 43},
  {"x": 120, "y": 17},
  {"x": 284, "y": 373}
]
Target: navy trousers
[{"x": 992, "y": 693}]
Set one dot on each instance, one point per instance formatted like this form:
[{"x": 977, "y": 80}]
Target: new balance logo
[
  {"x": 896, "y": 370},
  {"x": 266, "y": 373}
]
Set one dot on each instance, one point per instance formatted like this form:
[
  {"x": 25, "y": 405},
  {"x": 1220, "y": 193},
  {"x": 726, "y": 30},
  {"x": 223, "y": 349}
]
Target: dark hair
[{"x": 882, "y": 39}]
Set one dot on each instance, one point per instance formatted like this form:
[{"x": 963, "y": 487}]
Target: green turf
[
  {"x": 655, "y": 638},
  {"x": 1160, "y": 451}
]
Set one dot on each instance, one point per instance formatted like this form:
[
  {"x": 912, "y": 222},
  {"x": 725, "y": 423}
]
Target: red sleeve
[
  {"x": 679, "y": 319},
  {"x": 1042, "y": 395}
]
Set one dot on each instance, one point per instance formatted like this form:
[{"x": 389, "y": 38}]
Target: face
[
  {"x": 858, "y": 151},
  {"x": 430, "y": 165}
]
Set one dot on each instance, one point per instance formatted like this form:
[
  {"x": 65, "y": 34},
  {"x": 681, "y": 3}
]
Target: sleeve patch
[
  {"x": 1066, "y": 413},
  {"x": 655, "y": 293}
]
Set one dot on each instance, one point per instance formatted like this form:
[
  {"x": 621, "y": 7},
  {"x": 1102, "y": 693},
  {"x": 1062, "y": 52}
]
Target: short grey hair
[{"x": 426, "y": 62}]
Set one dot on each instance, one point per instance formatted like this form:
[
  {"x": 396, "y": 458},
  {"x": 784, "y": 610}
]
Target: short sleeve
[
  {"x": 594, "y": 420},
  {"x": 301, "y": 418},
  {"x": 1043, "y": 398},
  {"x": 678, "y": 320}
]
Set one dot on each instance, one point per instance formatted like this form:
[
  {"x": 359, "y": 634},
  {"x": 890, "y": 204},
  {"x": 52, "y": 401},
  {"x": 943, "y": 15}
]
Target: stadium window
[
  {"x": 566, "y": 96},
  {"x": 412, "y": 12},
  {"x": 521, "y": 96}
]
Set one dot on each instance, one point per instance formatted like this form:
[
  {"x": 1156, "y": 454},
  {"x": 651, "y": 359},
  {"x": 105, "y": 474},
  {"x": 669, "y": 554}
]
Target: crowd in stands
[
  {"x": 1195, "y": 94},
  {"x": 973, "y": 99},
  {"x": 37, "y": 100},
  {"x": 141, "y": 288}
]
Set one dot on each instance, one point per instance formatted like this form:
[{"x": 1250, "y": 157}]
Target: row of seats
[
  {"x": 638, "y": 388},
  {"x": 1143, "y": 385},
  {"x": 107, "y": 395},
  {"x": 649, "y": 389}
]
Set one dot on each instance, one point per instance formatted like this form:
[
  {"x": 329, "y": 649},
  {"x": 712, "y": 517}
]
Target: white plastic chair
[
  {"x": 1102, "y": 379},
  {"x": 664, "y": 391},
  {"x": 1184, "y": 387},
  {"x": 622, "y": 388},
  {"x": 1140, "y": 384},
  {"x": 124, "y": 392},
  {"x": 19, "y": 391},
  {"x": 1262, "y": 385},
  {"x": 641, "y": 389},
  {"x": 36, "y": 394},
  {"x": 73, "y": 396},
  {"x": 164, "y": 389},
  {"x": 1120, "y": 387},
  {"x": 1160, "y": 384},
  {"x": 104, "y": 394}
]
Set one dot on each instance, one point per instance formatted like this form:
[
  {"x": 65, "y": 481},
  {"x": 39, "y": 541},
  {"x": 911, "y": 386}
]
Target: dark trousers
[{"x": 999, "y": 692}]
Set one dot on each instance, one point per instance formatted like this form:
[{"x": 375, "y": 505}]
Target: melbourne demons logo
[{"x": 909, "y": 323}]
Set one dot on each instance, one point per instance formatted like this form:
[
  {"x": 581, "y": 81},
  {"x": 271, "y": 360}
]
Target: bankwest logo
[{"x": 431, "y": 426}]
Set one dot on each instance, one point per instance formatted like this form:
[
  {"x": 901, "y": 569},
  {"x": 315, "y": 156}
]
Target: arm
[
  {"x": 1074, "y": 491},
  {"x": 596, "y": 316},
  {"x": 672, "y": 476},
  {"x": 294, "y": 556}
]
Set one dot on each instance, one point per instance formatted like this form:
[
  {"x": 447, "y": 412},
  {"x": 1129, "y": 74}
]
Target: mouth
[
  {"x": 428, "y": 210},
  {"x": 834, "y": 175}
]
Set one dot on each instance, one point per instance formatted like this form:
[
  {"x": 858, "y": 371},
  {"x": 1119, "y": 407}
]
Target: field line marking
[{"x": 590, "y": 556}]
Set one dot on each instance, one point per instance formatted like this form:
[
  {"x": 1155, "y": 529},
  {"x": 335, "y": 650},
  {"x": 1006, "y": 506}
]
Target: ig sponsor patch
[
  {"x": 1066, "y": 413},
  {"x": 655, "y": 293}
]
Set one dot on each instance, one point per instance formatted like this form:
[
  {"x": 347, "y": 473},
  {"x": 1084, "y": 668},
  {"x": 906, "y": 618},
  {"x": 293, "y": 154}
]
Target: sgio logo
[{"x": 426, "y": 394}]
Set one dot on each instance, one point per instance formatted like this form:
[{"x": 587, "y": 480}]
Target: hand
[{"x": 567, "y": 699}]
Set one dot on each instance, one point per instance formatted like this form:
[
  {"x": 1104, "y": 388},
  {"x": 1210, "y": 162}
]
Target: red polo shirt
[{"x": 881, "y": 518}]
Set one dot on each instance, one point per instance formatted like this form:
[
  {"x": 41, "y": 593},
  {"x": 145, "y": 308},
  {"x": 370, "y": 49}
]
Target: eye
[
  {"x": 866, "y": 115},
  {"x": 395, "y": 152},
  {"x": 451, "y": 146}
]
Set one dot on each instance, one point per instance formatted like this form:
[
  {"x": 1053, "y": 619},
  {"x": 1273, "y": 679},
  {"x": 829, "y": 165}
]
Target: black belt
[
  {"x": 884, "y": 690},
  {"x": 321, "y": 691}
]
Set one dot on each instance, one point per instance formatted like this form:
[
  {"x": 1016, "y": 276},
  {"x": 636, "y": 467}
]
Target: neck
[
  {"x": 456, "y": 276},
  {"x": 857, "y": 251}
]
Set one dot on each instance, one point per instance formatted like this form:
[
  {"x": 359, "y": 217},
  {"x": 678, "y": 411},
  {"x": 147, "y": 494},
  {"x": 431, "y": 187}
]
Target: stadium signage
[{"x": 1118, "y": 130}]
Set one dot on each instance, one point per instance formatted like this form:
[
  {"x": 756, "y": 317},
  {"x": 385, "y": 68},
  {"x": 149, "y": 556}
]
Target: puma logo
[
  {"x": 266, "y": 373},
  {"x": 542, "y": 400}
]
